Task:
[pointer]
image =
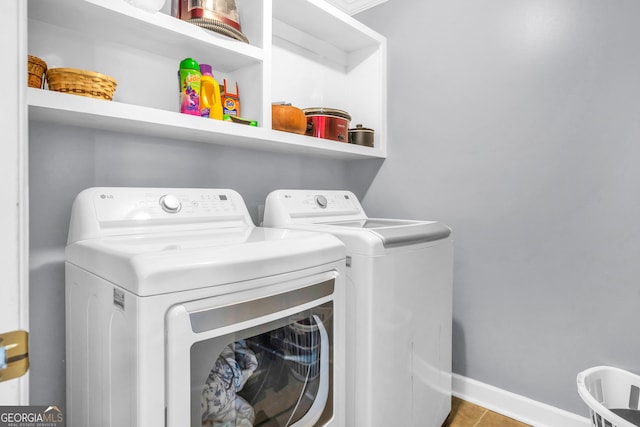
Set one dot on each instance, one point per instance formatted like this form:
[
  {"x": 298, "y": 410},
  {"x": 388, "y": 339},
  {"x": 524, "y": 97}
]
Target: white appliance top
[
  {"x": 153, "y": 240},
  {"x": 340, "y": 213}
]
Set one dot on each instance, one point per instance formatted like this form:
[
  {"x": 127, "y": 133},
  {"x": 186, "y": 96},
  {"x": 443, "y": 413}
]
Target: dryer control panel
[
  {"x": 108, "y": 211},
  {"x": 122, "y": 204}
]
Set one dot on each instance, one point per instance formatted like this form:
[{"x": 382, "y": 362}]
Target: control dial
[
  {"x": 321, "y": 201},
  {"x": 170, "y": 203}
]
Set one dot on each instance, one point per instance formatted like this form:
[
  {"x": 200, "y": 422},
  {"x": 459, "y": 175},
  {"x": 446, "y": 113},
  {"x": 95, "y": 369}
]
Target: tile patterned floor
[{"x": 465, "y": 414}]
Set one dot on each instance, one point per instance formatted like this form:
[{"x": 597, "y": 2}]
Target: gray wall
[
  {"x": 65, "y": 160},
  {"x": 518, "y": 123}
]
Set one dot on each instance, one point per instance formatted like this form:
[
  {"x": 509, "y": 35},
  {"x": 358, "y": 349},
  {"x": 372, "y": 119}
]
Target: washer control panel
[{"x": 309, "y": 204}]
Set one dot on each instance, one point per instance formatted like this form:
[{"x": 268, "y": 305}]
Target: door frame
[{"x": 14, "y": 250}]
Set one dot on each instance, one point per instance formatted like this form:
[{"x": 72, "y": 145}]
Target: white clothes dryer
[
  {"x": 180, "y": 312},
  {"x": 399, "y": 306}
]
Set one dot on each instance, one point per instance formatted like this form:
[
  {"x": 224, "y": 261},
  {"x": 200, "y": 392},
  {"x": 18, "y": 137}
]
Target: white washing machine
[
  {"x": 180, "y": 312},
  {"x": 399, "y": 306}
]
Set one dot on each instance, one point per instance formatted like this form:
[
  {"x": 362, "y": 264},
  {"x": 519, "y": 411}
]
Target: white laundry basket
[{"x": 612, "y": 394}]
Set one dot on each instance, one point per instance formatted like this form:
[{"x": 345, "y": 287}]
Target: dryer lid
[{"x": 157, "y": 264}]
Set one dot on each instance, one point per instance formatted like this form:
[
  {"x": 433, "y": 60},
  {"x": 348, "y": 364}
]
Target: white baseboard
[{"x": 514, "y": 406}]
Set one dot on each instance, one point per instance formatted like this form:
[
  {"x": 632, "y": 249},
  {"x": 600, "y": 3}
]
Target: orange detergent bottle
[{"x": 210, "y": 100}]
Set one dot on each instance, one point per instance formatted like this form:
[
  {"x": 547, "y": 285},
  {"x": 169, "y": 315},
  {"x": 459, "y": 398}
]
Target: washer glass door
[{"x": 250, "y": 370}]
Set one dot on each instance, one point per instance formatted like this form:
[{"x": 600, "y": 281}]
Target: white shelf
[
  {"x": 73, "y": 110},
  {"x": 119, "y": 22},
  {"x": 355, "y": 6},
  {"x": 322, "y": 55},
  {"x": 323, "y": 21}
]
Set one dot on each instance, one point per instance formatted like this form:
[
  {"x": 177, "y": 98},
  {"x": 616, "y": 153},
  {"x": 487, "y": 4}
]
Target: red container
[
  {"x": 220, "y": 16},
  {"x": 201, "y": 9},
  {"x": 328, "y": 123}
]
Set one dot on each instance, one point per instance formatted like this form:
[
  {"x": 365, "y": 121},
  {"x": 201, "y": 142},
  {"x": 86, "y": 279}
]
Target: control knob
[
  {"x": 321, "y": 201},
  {"x": 170, "y": 203}
]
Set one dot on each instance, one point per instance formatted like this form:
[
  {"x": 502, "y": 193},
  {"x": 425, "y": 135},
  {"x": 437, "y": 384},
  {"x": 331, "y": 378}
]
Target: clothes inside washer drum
[{"x": 220, "y": 404}]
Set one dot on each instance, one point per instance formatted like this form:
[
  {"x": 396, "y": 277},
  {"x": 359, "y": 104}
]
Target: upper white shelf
[
  {"x": 324, "y": 21},
  {"x": 321, "y": 28},
  {"x": 120, "y": 22},
  {"x": 355, "y": 6},
  {"x": 74, "y": 110}
]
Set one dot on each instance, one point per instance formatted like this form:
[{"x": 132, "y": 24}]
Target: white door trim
[{"x": 14, "y": 291}]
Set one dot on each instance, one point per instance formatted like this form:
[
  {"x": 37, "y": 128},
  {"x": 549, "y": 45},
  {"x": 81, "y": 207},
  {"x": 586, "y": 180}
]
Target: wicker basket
[
  {"x": 81, "y": 82},
  {"x": 37, "y": 69}
]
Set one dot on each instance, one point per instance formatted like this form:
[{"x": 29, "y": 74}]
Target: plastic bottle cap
[
  {"x": 205, "y": 70},
  {"x": 189, "y": 63}
]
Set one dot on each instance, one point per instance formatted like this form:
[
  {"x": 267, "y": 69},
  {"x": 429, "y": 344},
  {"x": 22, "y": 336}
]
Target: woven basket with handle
[{"x": 81, "y": 82}]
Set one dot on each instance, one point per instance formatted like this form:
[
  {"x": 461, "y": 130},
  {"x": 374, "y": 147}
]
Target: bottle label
[
  {"x": 190, "y": 93},
  {"x": 231, "y": 107}
]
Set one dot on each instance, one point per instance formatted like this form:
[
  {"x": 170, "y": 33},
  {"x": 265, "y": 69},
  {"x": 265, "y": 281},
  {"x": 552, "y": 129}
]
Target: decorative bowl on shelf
[
  {"x": 81, "y": 82},
  {"x": 287, "y": 118}
]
